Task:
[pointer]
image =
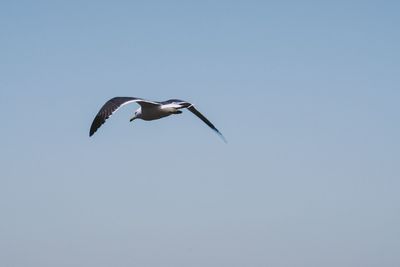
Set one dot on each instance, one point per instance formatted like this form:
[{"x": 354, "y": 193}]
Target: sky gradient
[{"x": 306, "y": 93}]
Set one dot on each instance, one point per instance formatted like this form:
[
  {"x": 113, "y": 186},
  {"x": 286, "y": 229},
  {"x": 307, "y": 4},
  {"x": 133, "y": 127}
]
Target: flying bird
[{"x": 148, "y": 111}]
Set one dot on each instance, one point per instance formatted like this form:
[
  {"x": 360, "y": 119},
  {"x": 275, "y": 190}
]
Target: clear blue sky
[{"x": 306, "y": 92}]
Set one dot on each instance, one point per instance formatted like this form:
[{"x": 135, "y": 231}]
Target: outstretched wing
[
  {"x": 192, "y": 109},
  {"x": 113, "y": 105}
]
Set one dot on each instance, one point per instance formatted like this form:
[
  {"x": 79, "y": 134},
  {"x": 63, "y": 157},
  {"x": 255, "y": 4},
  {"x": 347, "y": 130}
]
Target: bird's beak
[{"x": 132, "y": 118}]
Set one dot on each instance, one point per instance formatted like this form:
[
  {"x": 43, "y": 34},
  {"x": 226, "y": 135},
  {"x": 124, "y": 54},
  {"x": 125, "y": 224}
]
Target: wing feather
[
  {"x": 192, "y": 109},
  {"x": 112, "y": 106}
]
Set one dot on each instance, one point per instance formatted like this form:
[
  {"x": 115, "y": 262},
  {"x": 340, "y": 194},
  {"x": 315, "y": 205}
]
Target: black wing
[
  {"x": 113, "y": 105},
  {"x": 206, "y": 121}
]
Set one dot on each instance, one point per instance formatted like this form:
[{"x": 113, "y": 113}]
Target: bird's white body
[{"x": 154, "y": 113}]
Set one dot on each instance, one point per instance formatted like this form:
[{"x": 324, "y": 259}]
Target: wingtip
[{"x": 223, "y": 138}]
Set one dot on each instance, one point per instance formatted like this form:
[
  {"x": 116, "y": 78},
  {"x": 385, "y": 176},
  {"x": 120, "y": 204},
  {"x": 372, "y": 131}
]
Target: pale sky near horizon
[{"x": 306, "y": 93}]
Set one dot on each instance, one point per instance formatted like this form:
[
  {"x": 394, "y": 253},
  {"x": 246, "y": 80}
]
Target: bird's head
[{"x": 137, "y": 115}]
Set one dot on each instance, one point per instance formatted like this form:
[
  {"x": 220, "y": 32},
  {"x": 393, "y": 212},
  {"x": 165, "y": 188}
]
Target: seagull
[{"x": 148, "y": 111}]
